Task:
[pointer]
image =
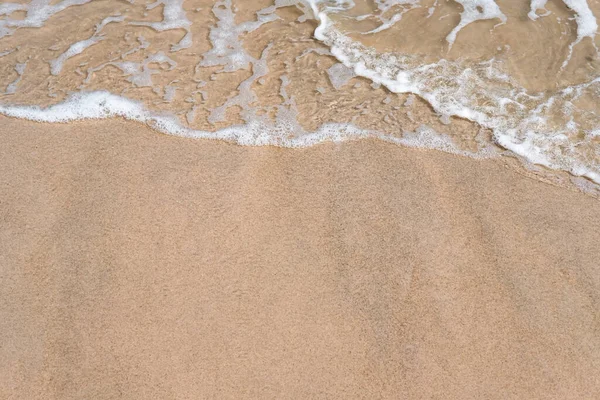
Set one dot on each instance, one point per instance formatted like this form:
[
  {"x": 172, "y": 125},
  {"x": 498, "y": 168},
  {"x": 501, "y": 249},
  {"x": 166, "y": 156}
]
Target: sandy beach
[{"x": 137, "y": 265}]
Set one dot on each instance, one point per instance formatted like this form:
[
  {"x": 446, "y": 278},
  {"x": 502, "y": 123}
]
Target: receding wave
[{"x": 469, "y": 77}]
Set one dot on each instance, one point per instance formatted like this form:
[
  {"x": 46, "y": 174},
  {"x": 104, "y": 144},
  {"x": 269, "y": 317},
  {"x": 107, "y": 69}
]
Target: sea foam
[
  {"x": 283, "y": 133},
  {"x": 522, "y": 128},
  {"x": 549, "y": 129}
]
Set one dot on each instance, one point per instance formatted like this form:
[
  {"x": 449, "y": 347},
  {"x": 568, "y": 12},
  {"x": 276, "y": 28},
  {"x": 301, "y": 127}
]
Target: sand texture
[{"x": 135, "y": 265}]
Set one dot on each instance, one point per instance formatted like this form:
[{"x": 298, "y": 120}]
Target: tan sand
[{"x": 136, "y": 265}]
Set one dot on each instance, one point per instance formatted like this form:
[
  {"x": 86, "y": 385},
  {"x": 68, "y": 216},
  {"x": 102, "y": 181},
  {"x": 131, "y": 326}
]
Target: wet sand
[{"x": 137, "y": 265}]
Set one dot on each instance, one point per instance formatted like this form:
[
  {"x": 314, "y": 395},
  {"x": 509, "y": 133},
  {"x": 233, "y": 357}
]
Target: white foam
[
  {"x": 386, "y": 5},
  {"x": 56, "y": 65},
  {"x": 9, "y": 8},
  {"x": 142, "y": 45},
  {"x": 37, "y": 12},
  {"x": 12, "y": 87},
  {"x": 425, "y": 137},
  {"x": 587, "y": 26},
  {"x": 170, "y": 92},
  {"x": 431, "y": 9},
  {"x": 174, "y": 17},
  {"x": 383, "y": 6},
  {"x": 538, "y": 5},
  {"x": 586, "y": 22},
  {"x": 246, "y": 96},
  {"x": 339, "y": 75},
  {"x": 300, "y": 5},
  {"x": 340, "y": 5},
  {"x": 285, "y": 132},
  {"x": 477, "y": 91},
  {"x": 138, "y": 73},
  {"x": 319, "y": 51},
  {"x": 475, "y": 10},
  {"x": 518, "y": 120},
  {"x": 103, "y": 105},
  {"x": 227, "y": 49}
]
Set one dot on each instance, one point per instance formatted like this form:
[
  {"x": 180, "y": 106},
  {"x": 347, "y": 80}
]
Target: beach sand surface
[{"x": 135, "y": 265}]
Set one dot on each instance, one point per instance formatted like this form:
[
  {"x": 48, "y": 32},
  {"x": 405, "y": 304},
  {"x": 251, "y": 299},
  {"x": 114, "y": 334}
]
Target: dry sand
[{"x": 135, "y": 265}]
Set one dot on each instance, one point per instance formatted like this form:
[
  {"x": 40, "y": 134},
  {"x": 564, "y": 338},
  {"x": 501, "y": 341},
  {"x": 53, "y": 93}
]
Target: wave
[{"x": 558, "y": 129}]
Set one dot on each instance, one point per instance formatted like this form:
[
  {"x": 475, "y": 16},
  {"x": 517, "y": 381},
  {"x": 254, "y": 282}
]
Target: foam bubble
[
  {"x": 383, "y": 6},
  {"x": 538, "y": 5},
  {"x": 37, "y": 13},
  {"x": 546, "y": 128},
  {"x": 174, "y": 17},
  {"x": 339, "y": 75},
  {"x": 227, "y": 50},
  {"x": 586, "y": 24},
  {"x": 19, "y": 69},
  {"x": 257, "y": 132},
  {"x": 245, "y": 97},
  {"x": 478, "y": 93},
  {"x": 138, "y": 73},
  {"x": 56, "y": 64},
  {"x": 475, "y": 10}
]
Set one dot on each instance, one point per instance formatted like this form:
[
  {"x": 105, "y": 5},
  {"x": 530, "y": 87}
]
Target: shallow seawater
[{"x": 480, "y": 78}]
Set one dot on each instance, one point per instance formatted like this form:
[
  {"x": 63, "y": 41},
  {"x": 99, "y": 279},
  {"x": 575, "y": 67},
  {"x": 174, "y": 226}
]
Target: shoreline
[{"x": 141, "y": 264}]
